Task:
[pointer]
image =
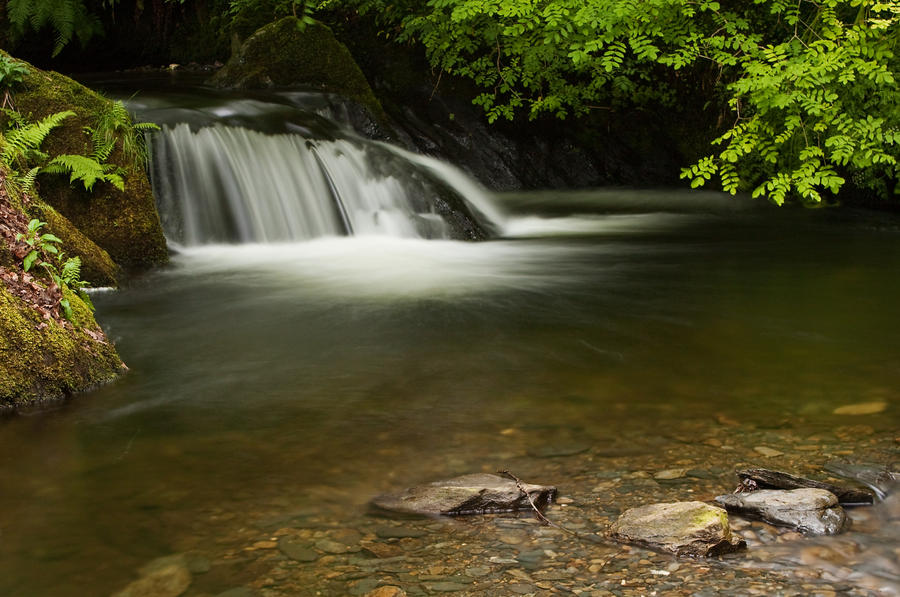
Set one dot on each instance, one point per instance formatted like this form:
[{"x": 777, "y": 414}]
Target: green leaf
[{"x": 29, "y": 260}]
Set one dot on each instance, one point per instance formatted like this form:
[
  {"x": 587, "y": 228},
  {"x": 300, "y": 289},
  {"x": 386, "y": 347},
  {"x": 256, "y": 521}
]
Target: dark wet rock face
[
  {"x": 284, "y": 54},
  {"x": 769, "y": 479},
  {"x": 809, "y": 510},
  {"x": 469, "y": 494},
  {"x": 681, "y": 528}
]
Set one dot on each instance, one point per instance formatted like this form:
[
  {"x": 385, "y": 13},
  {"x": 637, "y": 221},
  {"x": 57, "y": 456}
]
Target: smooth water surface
[
  {"x": 319, "y": 374},
  {"x": 602, "y": 336}
]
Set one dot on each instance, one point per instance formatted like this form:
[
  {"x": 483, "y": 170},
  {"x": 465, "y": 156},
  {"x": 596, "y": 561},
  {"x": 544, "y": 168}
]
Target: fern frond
[
  {"x": 18, "y": 12},
  {"x": 102, "y": 147},
  {"x": 62, "y": 19},
  {"x": 26, "y": 183},
  {"x": 146, "y": 126},
  {"x": 71, "y": 271},
  {"x": 24, "y": 141},
  {"x": 15, "y": 118},
  {"x": 67, "y": 18},
  {"x": 84, "y": 169}
]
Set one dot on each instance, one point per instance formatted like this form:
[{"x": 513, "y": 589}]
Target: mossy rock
[
  {"x": 286, "y": 53},
  {"x": 124, "y": 223},
  {"x": 97, "y": 267},
  {"x": 40, "y": 365}
]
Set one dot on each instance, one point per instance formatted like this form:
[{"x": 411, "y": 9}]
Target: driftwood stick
[
  {"x": 544, "y": 520},
  {"x": 520, "y": 486}
]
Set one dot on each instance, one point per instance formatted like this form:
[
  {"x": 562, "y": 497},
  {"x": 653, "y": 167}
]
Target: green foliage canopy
[{"x": 811, "y": 84}]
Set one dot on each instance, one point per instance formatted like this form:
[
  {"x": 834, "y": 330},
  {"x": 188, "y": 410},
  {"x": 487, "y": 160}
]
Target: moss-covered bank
[
  {"x": 45, "y": 360},
  {"x": 284, "y": 53},
  {"x": 124, "y": 224},
  {"x": 43, "y": 357}
]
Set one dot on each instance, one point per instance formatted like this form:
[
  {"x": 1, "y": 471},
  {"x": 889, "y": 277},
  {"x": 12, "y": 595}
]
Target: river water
[{"x": 603, "y": 336}]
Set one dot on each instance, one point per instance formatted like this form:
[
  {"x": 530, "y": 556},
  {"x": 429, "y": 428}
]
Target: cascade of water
[{"x": 222, "y": 184}]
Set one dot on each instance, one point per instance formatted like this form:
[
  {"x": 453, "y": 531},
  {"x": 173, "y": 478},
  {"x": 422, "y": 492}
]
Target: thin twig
[{"x": 544, "y": 519}]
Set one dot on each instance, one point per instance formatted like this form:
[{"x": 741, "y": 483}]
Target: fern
[
  {"x": 23, "y": 142},
  {"x": 85, "y": 169},
  {"x": 113, "y": 125},
  {"x": 26, "y": 182},
  {"x": 67, "y": 18},
  {"x": 71, "y": 271}
]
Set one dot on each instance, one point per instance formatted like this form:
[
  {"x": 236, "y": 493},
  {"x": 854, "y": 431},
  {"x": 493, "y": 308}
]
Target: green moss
[
  {"x": 282, "y": 54},
  {"x": 124, "y": 223},
  {"x": 37, "y": 365},
  {"x": 97, "y": 267},
  {"x": 709, "y": 517}
]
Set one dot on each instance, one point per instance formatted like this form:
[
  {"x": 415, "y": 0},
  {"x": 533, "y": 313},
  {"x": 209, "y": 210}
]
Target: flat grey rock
[
  {"x": 478, "y": 493},
  {"x": 771, "y": 479},
  {"x": 681, "y": 528},
  {"x": 809, "y": 510}
]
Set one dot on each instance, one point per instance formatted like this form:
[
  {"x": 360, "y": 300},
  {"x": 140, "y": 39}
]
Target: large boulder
[
  {"x": 682, "y": 528},
  {"x": 44, "y": 359},
  {"x": 289, "y": 53},
  {"x": 43, "y": 356},
  {"x": 125, "y": 224}
]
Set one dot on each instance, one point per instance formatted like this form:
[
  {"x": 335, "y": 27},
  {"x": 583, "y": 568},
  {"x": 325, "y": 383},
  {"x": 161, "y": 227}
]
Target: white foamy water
[{"x": 379, "y": 266}]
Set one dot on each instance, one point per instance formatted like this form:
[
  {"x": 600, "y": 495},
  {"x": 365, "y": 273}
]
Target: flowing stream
[{"x": 320, "y": 338}]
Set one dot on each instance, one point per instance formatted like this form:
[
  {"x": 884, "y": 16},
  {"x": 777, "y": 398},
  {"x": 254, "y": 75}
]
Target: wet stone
[
  {"x": 297, "y": 550},
  {"x": 531, "y": 559},
  {"x": 334, "y": 547},
  {"x": 387, "y": 591},
  {"x": 861, "y": 408},
  {"x": 398, "y": 532},
  {"x": 469, "y": 494},
  {"x": 364, "y": 586},
  {"x": 559, "y": 450},
  {"x": 446, "y": 587},
  {"x": 477, "y": 571},
  {"x": 681, "y": 528},
  {"x": 767, "y": 451},
  {"x": 809, "y": 510},
  {"x": 163, "y": 577},
  {"x": 670, "y": 474},
  {"x": 382, "y": 550}
]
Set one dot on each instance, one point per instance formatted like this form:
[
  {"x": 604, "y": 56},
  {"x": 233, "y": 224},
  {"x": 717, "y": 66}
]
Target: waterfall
[{"x": 225, "y": 184}]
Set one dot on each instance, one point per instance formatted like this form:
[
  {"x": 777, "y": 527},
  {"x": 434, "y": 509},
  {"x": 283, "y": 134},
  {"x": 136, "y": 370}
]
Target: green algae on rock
[
  {"x": 284, "y": 54},
  {"x": 97, "y": 267},
  {"x": 683, "y": 528},
  {"x": 123, "y": 223},
  {"x": 45, "y": 359}
]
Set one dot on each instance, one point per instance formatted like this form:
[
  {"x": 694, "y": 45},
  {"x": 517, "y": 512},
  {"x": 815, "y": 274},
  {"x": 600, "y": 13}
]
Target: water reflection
[{"x": 301, "y": 379}]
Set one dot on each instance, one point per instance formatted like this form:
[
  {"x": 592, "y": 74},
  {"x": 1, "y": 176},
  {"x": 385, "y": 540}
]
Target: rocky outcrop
[
  {"x": 124, "y": 224},
  {"x": 42, "y": 360},
  {"x": 809, "y": 510},
  {"x": 289, "y": 53},
  {"x": 761, "y": 478},
  {"x": 432, "y": 112},
  {"x": 478, "y": 493},
  {"x": 681, "y": 528},
  {"x": 50, "y": 344}
]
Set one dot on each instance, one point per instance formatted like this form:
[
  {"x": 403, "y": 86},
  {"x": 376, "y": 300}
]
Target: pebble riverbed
[{"x": 313, "y": 545}]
